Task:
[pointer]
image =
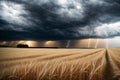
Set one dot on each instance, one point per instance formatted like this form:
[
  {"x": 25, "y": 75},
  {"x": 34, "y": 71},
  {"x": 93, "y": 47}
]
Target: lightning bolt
[
  {"x": 96, "y": 44},
  {"x": 68, "y": 43}
]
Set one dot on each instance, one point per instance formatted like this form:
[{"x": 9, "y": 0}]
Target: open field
[{"x": 59, "y": 64}]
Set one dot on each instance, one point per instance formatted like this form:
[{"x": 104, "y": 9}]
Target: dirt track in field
[{"x": 100, "y": 64}]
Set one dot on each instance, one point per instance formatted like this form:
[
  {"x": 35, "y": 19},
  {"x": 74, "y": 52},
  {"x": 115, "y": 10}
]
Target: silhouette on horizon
[{"x": 22, "y": 46}]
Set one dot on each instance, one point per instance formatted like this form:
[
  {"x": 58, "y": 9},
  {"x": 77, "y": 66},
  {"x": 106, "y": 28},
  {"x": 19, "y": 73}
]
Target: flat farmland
[{"x": 59, "y": 64}]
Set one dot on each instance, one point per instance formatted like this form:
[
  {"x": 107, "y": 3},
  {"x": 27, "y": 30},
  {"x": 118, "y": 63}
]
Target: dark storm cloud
[{"x": 59, "y": 19}]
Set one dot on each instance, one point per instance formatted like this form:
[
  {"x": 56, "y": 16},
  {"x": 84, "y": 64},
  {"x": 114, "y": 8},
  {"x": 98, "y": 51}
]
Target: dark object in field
[
  {"x": 22, "y": 46},
  {"x": 4, "y": 46}
]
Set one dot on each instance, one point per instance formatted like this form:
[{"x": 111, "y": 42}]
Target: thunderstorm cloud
[{"x": 59, "y": 19}]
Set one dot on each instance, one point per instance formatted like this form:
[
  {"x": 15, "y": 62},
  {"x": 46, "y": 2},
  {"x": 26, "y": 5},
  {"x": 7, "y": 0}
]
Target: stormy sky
[{"x": 59, "y": 19}]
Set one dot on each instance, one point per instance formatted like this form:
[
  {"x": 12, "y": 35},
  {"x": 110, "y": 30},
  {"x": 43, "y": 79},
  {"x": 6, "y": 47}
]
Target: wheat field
[{"x": 59, "y": 64}]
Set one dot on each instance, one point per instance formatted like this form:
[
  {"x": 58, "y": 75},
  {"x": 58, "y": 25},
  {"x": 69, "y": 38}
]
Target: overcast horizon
[{"x": 60, "y": 20}]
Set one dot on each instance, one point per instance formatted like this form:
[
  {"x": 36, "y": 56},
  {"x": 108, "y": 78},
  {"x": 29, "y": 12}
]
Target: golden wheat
[{"x": 60, "y": 64}]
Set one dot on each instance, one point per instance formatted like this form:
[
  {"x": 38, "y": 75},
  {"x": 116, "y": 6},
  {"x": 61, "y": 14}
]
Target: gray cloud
[{"x": 60, "y": 19}]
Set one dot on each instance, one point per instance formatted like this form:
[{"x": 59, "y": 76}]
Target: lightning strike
[
  {"x": 68, "y": 44},
  {"x": 96, "y": 44}
]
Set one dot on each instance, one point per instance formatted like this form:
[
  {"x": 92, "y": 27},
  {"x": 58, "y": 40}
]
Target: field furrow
[{"x": 59, "y": 64}]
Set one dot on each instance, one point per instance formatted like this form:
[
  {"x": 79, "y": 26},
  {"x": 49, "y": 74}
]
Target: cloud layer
[{"x": 59, "y": 19}]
